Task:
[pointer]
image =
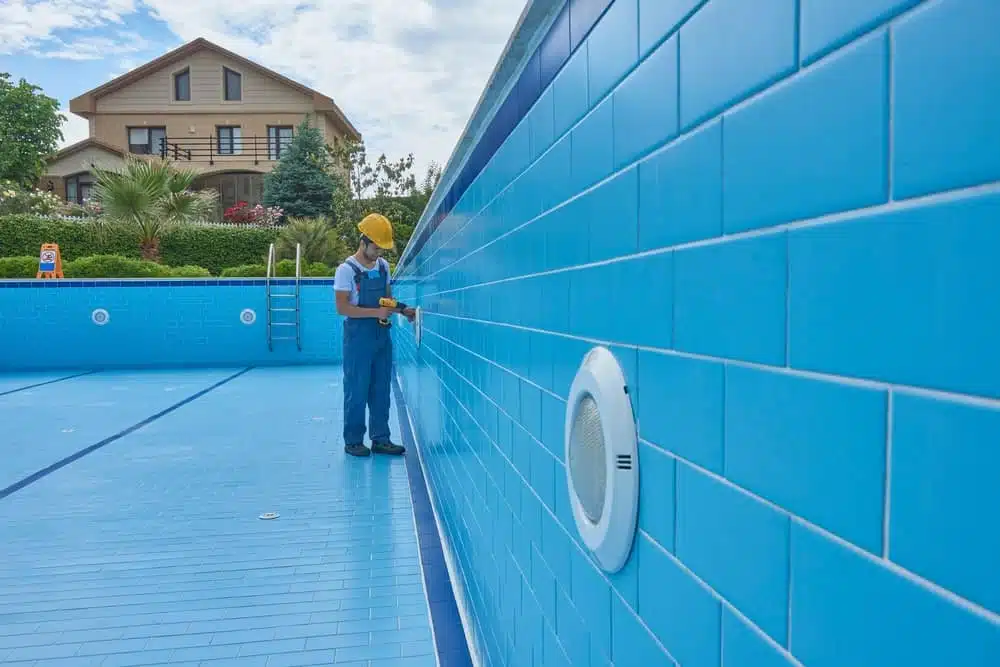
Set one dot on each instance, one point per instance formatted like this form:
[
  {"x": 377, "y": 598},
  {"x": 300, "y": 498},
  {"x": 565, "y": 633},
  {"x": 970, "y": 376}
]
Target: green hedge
[
  {"x": 115, "y": 266},
  {"x": 18, "y": 267},
  {"x": 213, "y": 248},
  {"x": 283, "y": 269}
]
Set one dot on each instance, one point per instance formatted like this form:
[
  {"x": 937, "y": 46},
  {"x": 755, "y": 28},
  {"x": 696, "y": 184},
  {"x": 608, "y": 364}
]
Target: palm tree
[{"x": 151, "y": 196}]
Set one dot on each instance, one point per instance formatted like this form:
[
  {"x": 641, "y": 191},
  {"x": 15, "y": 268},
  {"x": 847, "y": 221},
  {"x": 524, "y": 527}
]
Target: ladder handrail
[
  {"x": 298, "y": 306},
  {"x": 267, "y": 292}
]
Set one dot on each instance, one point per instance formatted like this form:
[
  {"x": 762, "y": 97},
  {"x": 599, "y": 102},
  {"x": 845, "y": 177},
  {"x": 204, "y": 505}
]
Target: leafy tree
[
  {"x": 150, "y": 197},
  {"x": 30, "y": 130},
  {"x": 381, "y": 186},
  {"x": 301, "y": 183}
]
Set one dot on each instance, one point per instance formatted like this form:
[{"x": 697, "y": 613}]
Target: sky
[{"x": 407, "y": 73}]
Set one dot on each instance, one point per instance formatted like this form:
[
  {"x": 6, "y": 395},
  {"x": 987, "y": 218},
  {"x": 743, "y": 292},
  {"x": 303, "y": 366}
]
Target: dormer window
[
  {"x": 182, "y": 86},
  {"x": 232, "y": 85}
]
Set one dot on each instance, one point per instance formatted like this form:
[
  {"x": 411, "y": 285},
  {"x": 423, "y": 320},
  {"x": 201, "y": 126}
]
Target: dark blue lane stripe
[
  {"x": 452, "y": 648},
  {"x": 42, "y": 384},
  {"x": 34, "y": 477}
]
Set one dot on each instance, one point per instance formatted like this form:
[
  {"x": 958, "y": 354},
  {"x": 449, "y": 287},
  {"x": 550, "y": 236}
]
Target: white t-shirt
[{"x": 343, "y": 279}]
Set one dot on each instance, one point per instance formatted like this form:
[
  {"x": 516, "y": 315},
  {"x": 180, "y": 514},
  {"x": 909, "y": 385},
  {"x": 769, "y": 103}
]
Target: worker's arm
[{"x": 346, "y": 309}]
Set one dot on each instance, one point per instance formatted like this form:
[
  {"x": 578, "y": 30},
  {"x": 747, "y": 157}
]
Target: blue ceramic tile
[
  {"x": 829, "y": 24},
  {"x": 730, "y": 49},
  {"x": 715, "y": 521},
  {"x": 818, "y": 145},
  {"x": 945, "y": 129},
  {"x": 871, "y": 295},
  {"x": 812, "y": 447},
  {"x": 944, "y": 464}
]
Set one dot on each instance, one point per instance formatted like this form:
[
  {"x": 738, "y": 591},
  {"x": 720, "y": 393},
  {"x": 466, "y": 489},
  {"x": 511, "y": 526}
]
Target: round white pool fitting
[{"x": 602, "y": 462}]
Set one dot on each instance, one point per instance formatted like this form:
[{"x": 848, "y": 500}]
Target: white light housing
[
  {"x": 100, "y": 317},
  {"x": 602, "y": 462}
]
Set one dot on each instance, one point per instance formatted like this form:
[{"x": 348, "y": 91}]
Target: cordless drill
[{"x": 387, "y": 302}]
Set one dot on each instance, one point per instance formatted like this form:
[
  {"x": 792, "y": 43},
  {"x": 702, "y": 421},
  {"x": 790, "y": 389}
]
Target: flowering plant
[
  {"x": 259, "y": 216},
  {"x": 15, "y": 199}
]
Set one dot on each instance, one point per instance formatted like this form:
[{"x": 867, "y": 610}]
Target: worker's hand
[
  {"x": 384, "y": 313},
  {"x": 410, "y": 313}
]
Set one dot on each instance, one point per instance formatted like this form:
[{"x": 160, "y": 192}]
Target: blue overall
[{"x": 367, "y": 362}]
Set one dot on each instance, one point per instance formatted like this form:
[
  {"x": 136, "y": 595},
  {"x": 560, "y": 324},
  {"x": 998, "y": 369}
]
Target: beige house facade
[{"x": 202, "y": 107}]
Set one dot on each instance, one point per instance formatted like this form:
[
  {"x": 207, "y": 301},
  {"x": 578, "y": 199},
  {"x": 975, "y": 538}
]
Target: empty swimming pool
[{"x": 130, "y": 529}]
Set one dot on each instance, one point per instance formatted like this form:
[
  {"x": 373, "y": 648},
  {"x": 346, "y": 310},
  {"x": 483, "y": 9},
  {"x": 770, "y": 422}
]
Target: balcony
[{"x": 213, "y": 148}]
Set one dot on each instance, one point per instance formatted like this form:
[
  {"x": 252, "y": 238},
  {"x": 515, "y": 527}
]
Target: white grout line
[
  {"x": 887, "y": 490},
  {"x": 807, "y": 223},
  {"x": 890, "y": 105},
  {"x": 457, "y": 585},
  {"x": 723, "y": 601},
  {"x": 936, "y": 394},
  {"x": 968, "y": 605},
  {"x": 791, "y": 77},
  {"x": 541, "y": 502}
]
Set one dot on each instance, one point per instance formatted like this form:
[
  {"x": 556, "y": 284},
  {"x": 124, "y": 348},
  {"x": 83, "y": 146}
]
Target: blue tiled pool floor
[{"x": 148, "y": 549}]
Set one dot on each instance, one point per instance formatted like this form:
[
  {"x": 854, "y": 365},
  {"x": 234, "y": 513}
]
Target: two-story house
[{"x": 202, "y": 106}]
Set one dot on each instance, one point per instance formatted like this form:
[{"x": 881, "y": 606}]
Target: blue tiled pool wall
[
  {"x": 47, "y": 324},
  {"x": 782, "y": 217}
]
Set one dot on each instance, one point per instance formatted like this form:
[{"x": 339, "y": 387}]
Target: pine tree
[{"x": 301, "y": 183}]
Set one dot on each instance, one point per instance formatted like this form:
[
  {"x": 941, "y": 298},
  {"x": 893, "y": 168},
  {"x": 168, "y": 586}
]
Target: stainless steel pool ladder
[{"x": 278, "y": 302}]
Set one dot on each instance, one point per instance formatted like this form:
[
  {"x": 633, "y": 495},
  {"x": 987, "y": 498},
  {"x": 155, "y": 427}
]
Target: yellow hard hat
[{"x": 378, "y": 228}]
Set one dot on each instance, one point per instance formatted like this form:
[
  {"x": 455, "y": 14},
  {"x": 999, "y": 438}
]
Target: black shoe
[
  {"x": 387, "y": 448},
  {"x": 357, "y": 450}
]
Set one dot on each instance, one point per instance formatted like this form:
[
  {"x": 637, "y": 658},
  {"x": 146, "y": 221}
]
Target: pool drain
[{"x": 268, "y": 515}]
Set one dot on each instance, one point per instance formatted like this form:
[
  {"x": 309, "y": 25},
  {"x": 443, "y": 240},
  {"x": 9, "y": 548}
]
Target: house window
[
  {"x": 147, "y": 140},
  {"x": 79, "y": 188},
  {"x": 232, "y": 84},
  {"x": 278, "y": 139},
  {"x": 230, "y": 142},
  {"x": 182, "y": 86}
]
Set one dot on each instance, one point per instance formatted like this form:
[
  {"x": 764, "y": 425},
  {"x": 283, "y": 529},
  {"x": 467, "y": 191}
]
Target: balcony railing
[{"x": 210, "y": 149}]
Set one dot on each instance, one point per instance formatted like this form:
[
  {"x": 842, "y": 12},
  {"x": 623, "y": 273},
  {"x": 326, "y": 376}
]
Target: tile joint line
[{"x": 44, "y": 472}]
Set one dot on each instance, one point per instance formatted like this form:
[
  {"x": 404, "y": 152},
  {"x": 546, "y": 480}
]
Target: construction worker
[{"x": 359, "y": 283}]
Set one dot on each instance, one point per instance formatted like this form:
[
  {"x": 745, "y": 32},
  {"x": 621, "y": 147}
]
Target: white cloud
[
  {"x": 31, "y": 25},
  {"x": 407, "y": 73}
]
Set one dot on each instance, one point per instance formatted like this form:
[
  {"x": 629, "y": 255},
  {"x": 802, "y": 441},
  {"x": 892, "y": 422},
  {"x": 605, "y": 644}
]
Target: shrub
[
  {"x": 286, "y": 269},
  {"x": 245, "y": 271},
  {"x": 113, "y": 266},
  {"x": 318, "y": 239},
  {"x": 189, "y": 272},
  {"x": 283, "y": 269},
  {"x": 18, "y": 267},
  {"x": 214, "y": 248},
  {"x": 15, "y": 200},
  {"x": 244, "y": 214}
]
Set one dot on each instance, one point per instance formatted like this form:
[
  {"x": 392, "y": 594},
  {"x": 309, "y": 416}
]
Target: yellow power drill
[{"x": 387, "y": 302}]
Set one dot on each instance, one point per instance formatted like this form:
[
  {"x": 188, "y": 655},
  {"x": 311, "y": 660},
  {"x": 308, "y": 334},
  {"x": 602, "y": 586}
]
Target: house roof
[
  {"x": 72, "y": 149},
  {"x": 85, "y": 105}
]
